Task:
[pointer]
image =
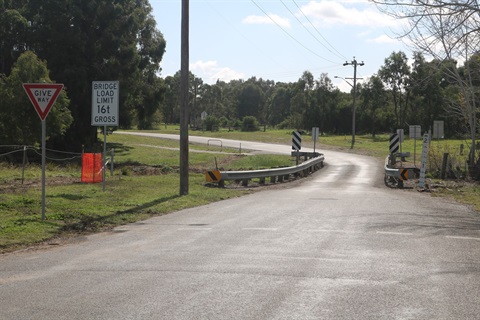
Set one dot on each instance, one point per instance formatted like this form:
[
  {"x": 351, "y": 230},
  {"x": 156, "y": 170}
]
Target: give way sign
[{"x": 43, "y": 96}]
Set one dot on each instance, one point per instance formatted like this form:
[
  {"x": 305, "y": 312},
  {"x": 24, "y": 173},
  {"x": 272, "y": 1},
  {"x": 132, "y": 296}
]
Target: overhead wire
[
  {"x": 337, "y": 53},
  {"x": 289, "y": 35},
  {"x": 243, "y": 36}
]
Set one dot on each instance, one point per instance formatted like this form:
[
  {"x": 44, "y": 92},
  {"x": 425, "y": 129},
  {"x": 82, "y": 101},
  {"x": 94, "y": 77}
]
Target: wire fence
[
  {"x": 14, "y": 153},
  {"x": 22, "y": 155}
]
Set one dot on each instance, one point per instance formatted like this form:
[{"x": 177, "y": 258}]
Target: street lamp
[
  {"x": 345, "y": 79},
  {"x": 354, "y": 63}
]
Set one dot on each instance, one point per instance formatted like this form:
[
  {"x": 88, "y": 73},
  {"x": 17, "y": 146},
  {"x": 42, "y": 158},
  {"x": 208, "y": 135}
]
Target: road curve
[{"x": 339, "y": 245}]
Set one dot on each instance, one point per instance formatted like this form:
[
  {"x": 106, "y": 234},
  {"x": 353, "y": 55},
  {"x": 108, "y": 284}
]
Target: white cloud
[
  {"x": 227, "y": 74},
  {"x": 210, "y": 72},
  {"x": 283, "y": 22},
  {"x": 327, "y": 12},
  {"x": 203, "y": 66}
]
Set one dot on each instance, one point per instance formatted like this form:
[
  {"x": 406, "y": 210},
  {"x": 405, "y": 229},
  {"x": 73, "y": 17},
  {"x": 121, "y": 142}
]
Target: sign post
[
  {"x": 203, "y": 117},
  {"x": 438, "y": 132},
  {"x": 423, "y": 167},
  {"x": 315, "y": 132},
  {"x": 415, "y": 132},
  {"x": 43, "y": 96},
  {"x": 105, "y": 100}
]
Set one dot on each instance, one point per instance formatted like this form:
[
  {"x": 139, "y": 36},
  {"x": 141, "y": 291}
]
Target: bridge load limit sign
[{"x": 105, "y": 99}]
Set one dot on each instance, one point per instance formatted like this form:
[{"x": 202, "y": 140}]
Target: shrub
[
  {"x": 212, "y": 123},
  {"x": 250, "y": 123}
]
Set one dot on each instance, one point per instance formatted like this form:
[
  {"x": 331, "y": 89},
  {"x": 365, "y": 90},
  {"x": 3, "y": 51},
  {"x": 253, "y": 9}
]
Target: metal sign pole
[
  {"x": 44, "y": 130},
  {"x": 423, "y": 167},
  {"x": 104, "y": 154},
  {"x": 415, "y": 151}
]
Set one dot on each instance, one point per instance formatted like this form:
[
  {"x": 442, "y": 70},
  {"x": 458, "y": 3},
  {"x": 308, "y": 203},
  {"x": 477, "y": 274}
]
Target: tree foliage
[
  {"x": 24, "y": 125},
  {"x": 85, "y": 41},
  {"x": 447, "y": 31}
]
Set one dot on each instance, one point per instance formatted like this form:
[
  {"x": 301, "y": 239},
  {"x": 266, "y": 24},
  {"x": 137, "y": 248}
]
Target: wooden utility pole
[
  {"x": 354, "y": 63},
  {"x": 184, "y": 72}
]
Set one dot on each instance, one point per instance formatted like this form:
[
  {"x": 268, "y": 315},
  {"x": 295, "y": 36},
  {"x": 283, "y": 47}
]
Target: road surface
[{"x": 339, "y": 245}]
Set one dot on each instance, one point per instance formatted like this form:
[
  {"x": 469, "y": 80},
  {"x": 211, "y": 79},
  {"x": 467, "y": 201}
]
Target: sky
[{"x": 278, "y": 39}]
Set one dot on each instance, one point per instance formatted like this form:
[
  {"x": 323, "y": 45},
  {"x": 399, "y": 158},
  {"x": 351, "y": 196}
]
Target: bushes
[
  {"x": 250, "y": 123},
  {"x": 212, "y": 123}
]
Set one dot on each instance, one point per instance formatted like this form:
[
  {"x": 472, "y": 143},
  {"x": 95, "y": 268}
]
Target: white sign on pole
[
  {"x": 423, "y": 167},
  {"x": 415, "y": 131},
  {"x": 105, "y": 100},
  {"x": 43, "y": 96},
  {"x": 315, "y": 132},
  {"x": 401, "y": 135},
  {"x": 438, "y": 129}
]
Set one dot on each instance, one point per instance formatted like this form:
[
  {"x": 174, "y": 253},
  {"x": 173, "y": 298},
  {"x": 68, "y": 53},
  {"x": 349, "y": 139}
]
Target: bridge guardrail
[
  {"x": 394, "y": 177},
  {"x": 275, "y": 174}
]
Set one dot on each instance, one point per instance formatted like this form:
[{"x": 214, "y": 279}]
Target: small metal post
[
  {"x": 104, "y": 155},
  {"x": 444, "y": 166},
  {"x": 112, "y": 155},
  {"x": 24, "y": 162}
]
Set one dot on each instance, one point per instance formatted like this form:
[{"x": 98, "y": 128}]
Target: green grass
[
  {"x": 377, "y": 147},
  {"x": 74, "y": 208},
  {"x": 145, "y": 183},
  {"x": 79, "y": 208}
]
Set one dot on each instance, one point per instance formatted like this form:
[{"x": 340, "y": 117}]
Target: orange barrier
[{"x": 92, "y": 167}]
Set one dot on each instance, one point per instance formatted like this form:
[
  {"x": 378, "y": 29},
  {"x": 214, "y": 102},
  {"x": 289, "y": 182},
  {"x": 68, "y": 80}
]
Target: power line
[
  {"x": 337, "y": 53},
  {"x": 288, "y": 34},
  {"x": 241, "y": 34}
]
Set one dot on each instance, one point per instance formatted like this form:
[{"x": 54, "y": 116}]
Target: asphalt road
[{"x": 339, "y": 245}]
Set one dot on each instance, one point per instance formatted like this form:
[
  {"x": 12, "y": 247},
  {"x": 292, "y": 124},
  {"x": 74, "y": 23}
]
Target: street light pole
[{"x": 354, "y": 63}]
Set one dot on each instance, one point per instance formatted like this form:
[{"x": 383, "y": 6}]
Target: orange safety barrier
[{"x": 92, "y": 167}]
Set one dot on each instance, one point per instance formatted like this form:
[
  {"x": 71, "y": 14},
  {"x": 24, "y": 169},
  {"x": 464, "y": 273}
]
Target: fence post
[
  {"x": 444, "y": 165},
  {"x": 112, "y": 155},
  {"x": 24, "y": 162}
]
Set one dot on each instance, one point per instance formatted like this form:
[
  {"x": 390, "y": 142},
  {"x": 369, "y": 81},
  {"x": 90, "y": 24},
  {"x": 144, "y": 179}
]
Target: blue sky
[{"x": 278, "y": 39}]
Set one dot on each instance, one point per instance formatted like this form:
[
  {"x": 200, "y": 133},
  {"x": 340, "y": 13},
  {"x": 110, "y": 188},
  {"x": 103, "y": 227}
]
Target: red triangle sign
[{"x": 43, "y": 96}]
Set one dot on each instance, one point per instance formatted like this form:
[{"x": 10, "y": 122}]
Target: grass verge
[{"x": 145, "y": 183}]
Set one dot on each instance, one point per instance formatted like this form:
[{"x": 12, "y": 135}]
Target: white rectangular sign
[
  {"x": 401, "y": 135},
  {"x": 105, "y": 100},
  {"x": 315, "y": 132},
  {"x": 438, "y": 129},
  {"x": 415, "y": 131}
]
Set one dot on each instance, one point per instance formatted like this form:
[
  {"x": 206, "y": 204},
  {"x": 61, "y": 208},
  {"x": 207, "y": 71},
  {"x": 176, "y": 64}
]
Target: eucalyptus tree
[
  {"x": 302, "y": 102},
  {"x": 212, "y": 100},
  {"x": 13, "y": 27},
  {"x": 85, "y": 41},
  {"x": 427, "y": 102},
  {"x": 279, "y": 104},
  {"x": 170, "y": 106},
  {"x": 23, "y": 125},
  {"x": 250, "y": 100},
  {"x": 446, "y": 31},
  {"x": 326, "y": 101},
  {"x": 374, "y": 98},
  {"x": 395, "y": 75}
]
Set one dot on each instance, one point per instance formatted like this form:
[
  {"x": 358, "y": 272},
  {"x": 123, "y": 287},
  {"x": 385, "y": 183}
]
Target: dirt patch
[{"x": 16, "y": 185}]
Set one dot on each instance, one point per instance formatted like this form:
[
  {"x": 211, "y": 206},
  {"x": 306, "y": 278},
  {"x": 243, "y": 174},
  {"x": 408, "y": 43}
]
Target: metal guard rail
[
  {"x": 391, "y": 172},
  {"x": 275, "y": 172},
  {"x": 394, "y": 177}
]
